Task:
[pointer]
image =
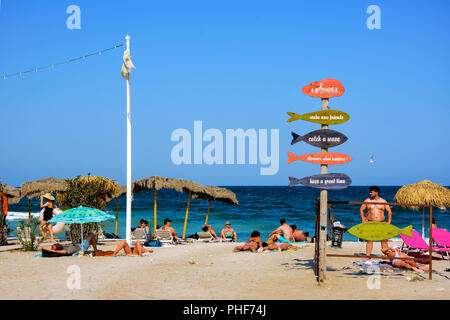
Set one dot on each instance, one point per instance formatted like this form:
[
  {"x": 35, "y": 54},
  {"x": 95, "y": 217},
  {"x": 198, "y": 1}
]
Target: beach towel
[
  {"x": 371, "y": 266},
  {"x": 283, "y": 239}
]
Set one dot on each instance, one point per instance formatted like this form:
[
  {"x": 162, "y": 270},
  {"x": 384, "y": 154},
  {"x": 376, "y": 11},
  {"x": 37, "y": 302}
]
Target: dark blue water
[{"x": 260, "y": 208}]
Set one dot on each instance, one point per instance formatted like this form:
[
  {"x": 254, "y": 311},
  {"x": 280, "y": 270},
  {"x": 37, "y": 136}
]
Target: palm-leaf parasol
[{"x": 423, "y": 193}]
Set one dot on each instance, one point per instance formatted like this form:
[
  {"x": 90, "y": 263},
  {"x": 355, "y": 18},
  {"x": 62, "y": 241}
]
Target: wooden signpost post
[{"x": 323, "y": 139}]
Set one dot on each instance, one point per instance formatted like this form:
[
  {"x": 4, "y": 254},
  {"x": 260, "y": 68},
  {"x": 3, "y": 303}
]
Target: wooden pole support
[
  {"x": 187, "y": 213},
  {"x": 29, "y": 211},
  {"x": 117, "y": 215},
  {"x": 430, "y": 244},
  {"x": 323, "y": 212},
  {"x": 207, "y": 214}
]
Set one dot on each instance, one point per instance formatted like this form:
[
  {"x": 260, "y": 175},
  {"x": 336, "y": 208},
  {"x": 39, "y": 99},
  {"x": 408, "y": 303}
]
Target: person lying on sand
[
  {"x": 228, "y": 232},
  {"x": 280, "y": 246},
  {"x": 68, "y": 249},
  {"x": 167, "y": 226},
  {"x": 409, "y": 264},
  {"x": 298, "y": 235},
  {"x": 138, "y": 250},
  {"x": 253, "y": 243},
  {"x": 284, "y": 230}
]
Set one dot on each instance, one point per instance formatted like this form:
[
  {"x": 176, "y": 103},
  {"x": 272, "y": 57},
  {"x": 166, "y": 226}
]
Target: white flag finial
[{"x": 127, "y": 63}]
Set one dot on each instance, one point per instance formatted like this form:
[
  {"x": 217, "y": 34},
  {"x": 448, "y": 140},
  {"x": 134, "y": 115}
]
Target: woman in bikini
[
  {"x": 409, "y": 264},
  {"x": 48, "y": 214},
  {"x": 253, "y": 243},
  {"x": 280, "y": 246}
]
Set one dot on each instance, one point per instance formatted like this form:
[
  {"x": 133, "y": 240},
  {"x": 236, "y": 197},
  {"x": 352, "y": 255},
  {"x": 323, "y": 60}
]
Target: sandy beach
[{"x": 210, "y": 271}]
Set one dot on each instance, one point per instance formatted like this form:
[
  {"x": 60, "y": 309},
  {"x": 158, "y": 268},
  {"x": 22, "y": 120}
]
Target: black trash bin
[{"x": 337, "y": 234}]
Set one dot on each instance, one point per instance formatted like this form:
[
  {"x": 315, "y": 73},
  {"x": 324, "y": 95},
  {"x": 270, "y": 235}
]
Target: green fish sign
[
  {"x": 322, "y": 117},
  {"x": 376, "y": 231}
]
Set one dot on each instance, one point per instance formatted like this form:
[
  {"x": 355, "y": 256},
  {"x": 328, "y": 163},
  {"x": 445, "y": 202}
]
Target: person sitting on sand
[
  {"x": 228, "y": 232},
  {"x": 253, "y": 243},
  {"x": 298, "y": 235},
  {"x": 280, "y": 246},
  {"x": 138, "y": 250},
  {"x": 409, "y": 264},
  {"x": 167, "y": 226},
  {"x": 284, "y": 230},
  {"x": 48, "y": 214}
]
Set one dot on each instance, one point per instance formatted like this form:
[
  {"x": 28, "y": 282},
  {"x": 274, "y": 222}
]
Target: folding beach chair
[
  {"x": 417, "y": 242},
  {"x": 164, "y": 236},
  {"x": 138, "y": 234},
  {"x": 205, "y": 237},
  {"x": 442, "y": 238}
]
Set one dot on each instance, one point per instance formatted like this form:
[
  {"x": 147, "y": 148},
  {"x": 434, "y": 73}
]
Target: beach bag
[{"x": 155, "y": 243}]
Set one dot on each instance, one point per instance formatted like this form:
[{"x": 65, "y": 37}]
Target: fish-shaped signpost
[
  {"x": 377, "y": 231},
  {"x": 321, "y": 158},
  {"x": 324, "y": 138},
  {"x": 328, "y": 181},
  {"x": 327, "y": 88},
  {"x": 322, "y": 117}
]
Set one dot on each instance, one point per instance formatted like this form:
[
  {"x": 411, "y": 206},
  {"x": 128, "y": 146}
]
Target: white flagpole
[{"x": 128, "y": 220}]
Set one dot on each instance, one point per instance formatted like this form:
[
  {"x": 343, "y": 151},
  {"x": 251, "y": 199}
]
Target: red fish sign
[
  {"x": 321, "y": 158},
  {"x": 327, "y": 88}
]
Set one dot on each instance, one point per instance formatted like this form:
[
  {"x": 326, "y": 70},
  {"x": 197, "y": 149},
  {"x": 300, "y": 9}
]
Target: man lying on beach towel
[
  {"x": 58, "y": 250},
  {"x": 409, "y": 264},
  {"x": 280, "y": 246},
  {"x": 138, "y": 250}
]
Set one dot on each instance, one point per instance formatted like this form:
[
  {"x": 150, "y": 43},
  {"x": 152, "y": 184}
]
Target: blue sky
[{"x": 231, "y": 64}]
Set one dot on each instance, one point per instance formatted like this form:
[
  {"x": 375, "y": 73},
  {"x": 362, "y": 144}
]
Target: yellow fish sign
[
  {"x": 376, "y": 231},
  {"x": 322, "y": 117}
]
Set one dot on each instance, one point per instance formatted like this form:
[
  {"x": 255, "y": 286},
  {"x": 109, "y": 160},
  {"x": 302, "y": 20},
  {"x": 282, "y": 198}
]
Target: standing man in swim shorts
[{"x": 375, "y": 212}]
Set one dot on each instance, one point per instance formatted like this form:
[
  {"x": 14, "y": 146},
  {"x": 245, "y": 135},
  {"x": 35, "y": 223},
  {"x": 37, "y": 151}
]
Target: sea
[{"x": 260, "y": 208}]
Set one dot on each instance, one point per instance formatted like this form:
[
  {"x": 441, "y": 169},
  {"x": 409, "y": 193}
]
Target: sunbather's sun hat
[{"x": 48, "y": 196}]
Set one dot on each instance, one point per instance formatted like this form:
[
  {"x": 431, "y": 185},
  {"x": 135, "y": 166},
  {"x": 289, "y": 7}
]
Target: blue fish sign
[
  {"x": 329, "y": 181},
  {"x": 324, "y": 138}
]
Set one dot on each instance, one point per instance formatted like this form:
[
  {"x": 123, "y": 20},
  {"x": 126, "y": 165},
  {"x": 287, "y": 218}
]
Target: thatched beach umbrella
[
  {"x": 194, "y": 189},
  {"x": 423, "y": 193},
  {"x": 40, "y": 187},
  {"x": 13, "y": 194}
]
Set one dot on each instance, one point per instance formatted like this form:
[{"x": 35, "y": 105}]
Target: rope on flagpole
[{"x": 53, "y": 65}]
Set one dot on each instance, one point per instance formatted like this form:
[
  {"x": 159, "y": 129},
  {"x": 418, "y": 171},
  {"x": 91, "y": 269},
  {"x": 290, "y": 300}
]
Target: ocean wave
[{"x": 14, "y": 215}]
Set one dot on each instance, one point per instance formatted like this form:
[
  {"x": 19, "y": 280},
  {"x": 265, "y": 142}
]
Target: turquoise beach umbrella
[{"x": 81, "y": 215}]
